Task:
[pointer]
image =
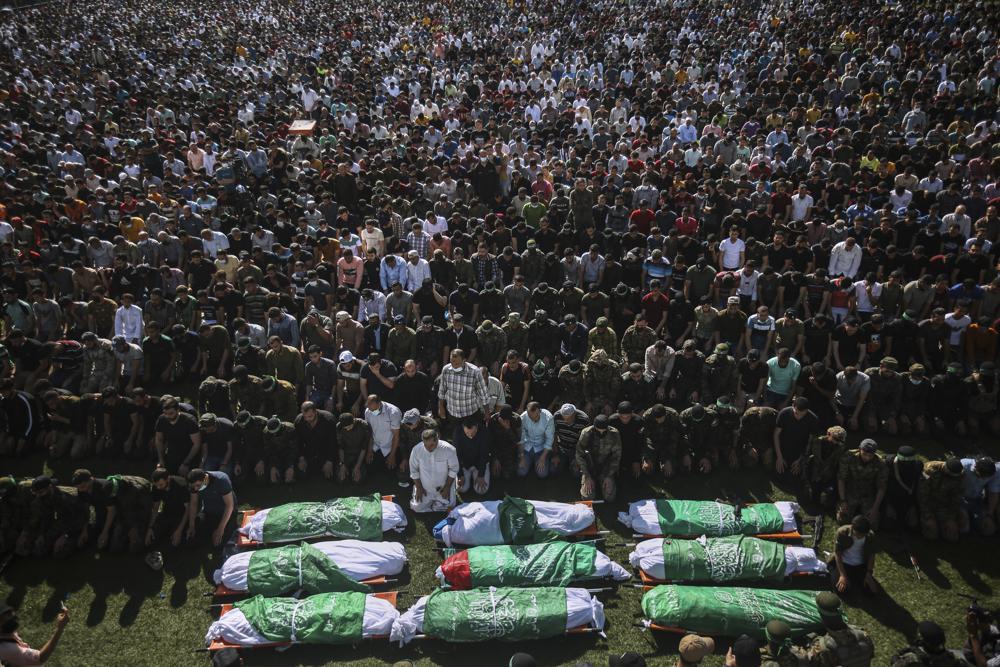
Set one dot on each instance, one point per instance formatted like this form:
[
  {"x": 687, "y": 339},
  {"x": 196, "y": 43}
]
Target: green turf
[{"x": 124, "y": 614}]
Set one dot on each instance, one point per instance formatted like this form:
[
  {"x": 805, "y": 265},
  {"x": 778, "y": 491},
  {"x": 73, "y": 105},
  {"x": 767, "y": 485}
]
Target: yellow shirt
[{"x": 130, "y": 228}]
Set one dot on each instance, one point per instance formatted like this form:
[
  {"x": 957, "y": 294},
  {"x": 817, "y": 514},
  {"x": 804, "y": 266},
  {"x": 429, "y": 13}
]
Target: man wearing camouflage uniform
[
  {"x": 696, "y": 427},
  {"x": 598, "y": 455},
  {"x": 281, "y": 449},
  {"x": 719, "y": 375},
  {"x": 861, "y": 483},
  {"x": 929, "y": 650},
  {"x": 121, "y": 505},
  {"x": 251, "y": 454},
  {"x": 756, "y": 432},
  {"x": 214, "y": 397},
  {"x": 572, "y": 384},
  {"x": 601, "y": 377},
  {"x": 603, "y": 337},
  {"x": 939, "y": 497},
  {"x": 57, "y": 520},
  {"x": 842, "y": 645},
  {"x": 517, "y": 334},
  {"x": 822, "y": 461},
  {"x": 492, "y": 346},
  {"x": 98, "y": 369},
  {"x": 778, "y": 651},
  {"x": 916, "y": 391},
  {"x": 246, "y": 392},
  {"x": 280, "y": 398},
  {"x": 15, "y": 504},
  {"x": 662, "y": 428},
  {"x": 636, "y": 339},
  {"x": 725, "y": 422},
  {"x": 429, "y": 346},
  {"x": 885, "y": 393}
]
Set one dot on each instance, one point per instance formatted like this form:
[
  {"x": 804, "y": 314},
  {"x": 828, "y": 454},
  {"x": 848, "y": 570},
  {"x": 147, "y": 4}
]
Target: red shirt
[
  {"x": 654, "y": 305},
  {"x": 686, "y": 226},
  {"x": 643, "y": 219}
]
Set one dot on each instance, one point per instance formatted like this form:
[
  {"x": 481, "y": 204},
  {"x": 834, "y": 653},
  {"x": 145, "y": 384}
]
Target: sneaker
[{"x": 155, "y": 561}]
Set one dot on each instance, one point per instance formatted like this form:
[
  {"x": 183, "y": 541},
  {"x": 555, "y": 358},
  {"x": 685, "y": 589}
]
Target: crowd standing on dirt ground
[{"x": 448, "y": 244}]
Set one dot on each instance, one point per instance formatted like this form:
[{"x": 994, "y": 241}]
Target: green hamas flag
[
  {"x": 328, "y": 618},
  {"x": 553, "y": 564},
  {"x": 699, "y": 517},
  {"x": 519, "y": 525},
  {"x": 723, "y": 559},
  {"x": 730, "y": 612},
  {"x": 281, "y": 571},
  {"x": 511, "y": 614},
  {"x": 355, "y": 518}
]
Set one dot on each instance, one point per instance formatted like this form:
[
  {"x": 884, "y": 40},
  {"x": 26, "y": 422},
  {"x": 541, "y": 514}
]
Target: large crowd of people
[{"x": 452, "y": 243}]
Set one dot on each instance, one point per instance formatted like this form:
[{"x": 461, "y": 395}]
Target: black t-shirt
[
  {"x": 175, "y": 497},
  {"x": 218, "y": 441},
  {"x": 848, "y": 351},
  {"x": 177, "y": 435},
  {"x": 750, "y": 377},
  {"x": 121, "y": 416},
  {"x": 795, "y": 433}
]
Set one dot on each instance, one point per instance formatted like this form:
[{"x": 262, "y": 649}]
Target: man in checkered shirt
[{"x": 462, "y": 390}]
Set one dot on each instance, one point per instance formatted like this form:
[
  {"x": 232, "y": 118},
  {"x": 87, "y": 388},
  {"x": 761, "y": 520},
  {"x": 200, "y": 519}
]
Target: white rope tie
[{"x": 295, "y": 611}]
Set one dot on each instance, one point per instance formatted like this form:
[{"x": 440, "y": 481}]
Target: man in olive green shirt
[{"x": 284, "y": 362}]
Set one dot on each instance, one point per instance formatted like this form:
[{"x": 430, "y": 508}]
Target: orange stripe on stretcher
[
  {"x": 218, "y": 644},
  {"x": 244, "y": 542}
]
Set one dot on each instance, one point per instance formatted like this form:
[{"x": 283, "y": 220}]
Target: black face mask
[{"x": 11, "y": 625}]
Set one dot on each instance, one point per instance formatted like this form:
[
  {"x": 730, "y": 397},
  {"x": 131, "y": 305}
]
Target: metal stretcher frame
[
  {"x": 218, "y": 644},
  {"x": 222, "y": 591},
  {"x": 244, "y": 542}
]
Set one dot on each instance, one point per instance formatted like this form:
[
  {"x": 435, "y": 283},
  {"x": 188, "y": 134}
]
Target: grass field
[{"x": 125, "y": 614}]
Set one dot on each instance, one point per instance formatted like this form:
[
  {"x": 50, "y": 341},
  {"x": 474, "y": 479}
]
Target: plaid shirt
[
  {"x": 463, "y": 389},
  {"x": 420, "y": 242}
]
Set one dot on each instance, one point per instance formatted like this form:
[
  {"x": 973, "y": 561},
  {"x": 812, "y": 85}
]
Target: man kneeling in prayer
[{"x": 434, "y": 470}]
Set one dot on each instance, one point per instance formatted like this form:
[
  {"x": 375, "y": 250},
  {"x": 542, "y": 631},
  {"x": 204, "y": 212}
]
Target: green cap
[
  {"x": 828, "y": 604},
  {"x": 777, "y": 632}
]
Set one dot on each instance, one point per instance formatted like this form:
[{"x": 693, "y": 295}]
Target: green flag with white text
[
  {"x": 328, "y": 618},
  {"x": 284, "y": 570},
  {"x": 519, "y": 524},
  {"x": 510, "y": 614},
  {"x": 705, "y": 517},
  {"x": 731, "y": 612},
  {"x": 552, "y": 564},
  {"x": 355, "y": 518},
  {"x": 723, "y": 559}
]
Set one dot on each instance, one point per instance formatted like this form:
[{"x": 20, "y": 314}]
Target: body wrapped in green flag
[
  {"x": 519, "y": 523},
  {"x": 723, "y": 559},
  {"x": 552, "y": 564},
  {"x": 362, "y": 518},
  {"x": 692, "y": 518},
  {"x": 284, "y": 570},
  {"x": 508, "y": 614},
  {"x": 731, "y": 612},
  {"x": 329, "y": 618}
]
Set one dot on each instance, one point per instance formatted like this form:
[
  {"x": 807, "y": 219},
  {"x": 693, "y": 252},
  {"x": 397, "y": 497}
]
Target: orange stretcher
[
  {"x": 218, "y": 644},
  {"x": 222, "y": 591},
  {"x": 244, "y": 542}
]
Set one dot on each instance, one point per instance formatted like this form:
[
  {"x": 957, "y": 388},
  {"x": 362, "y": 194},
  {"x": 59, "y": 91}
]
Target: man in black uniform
[
  {"x": 121, "y": 508},
  {"x": 178, "y": 440}
]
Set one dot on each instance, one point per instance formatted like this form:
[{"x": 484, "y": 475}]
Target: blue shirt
[
  {"x": 972, "y": 485},
  {"x": 538, "y": 435},
  {"x": 213, "y": 493}
]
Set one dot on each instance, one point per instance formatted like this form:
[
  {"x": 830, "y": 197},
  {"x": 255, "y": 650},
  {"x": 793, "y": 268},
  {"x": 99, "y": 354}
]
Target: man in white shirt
[
  {"x": 434, "y": 471},
  {"x": 384, "y": 419},
  {"x": 845, "y": 258},
  {"x": 802, "y": 203},
  {"x": 731, "y": 251},
  {"x": 212, "y": 242},
  {"x": 128, "y": 320},
  {"x": 417, "y": 270}
]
